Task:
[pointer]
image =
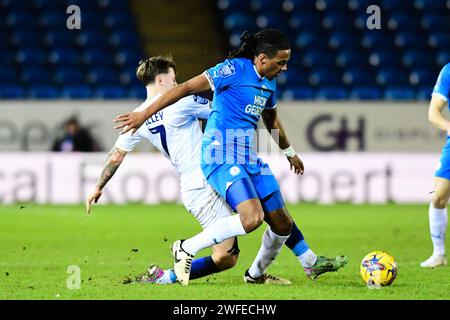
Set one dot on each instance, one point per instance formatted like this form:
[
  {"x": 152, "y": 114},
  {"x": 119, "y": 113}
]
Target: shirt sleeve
[
  {"x": 442, "y": 87},
  {"x": 222, "y": 75},
  {"x": 196, "y": 106},
  {"x": 128, "y": 142}
]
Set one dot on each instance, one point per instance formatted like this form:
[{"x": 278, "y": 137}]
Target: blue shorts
[
  {"x": 443, "y": 168},
  {"x": 263, "y": 181}
]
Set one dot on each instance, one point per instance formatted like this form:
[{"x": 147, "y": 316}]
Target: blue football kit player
[
  {"x": 437, "y": 211},
  {"x": 244, "y": 91}
]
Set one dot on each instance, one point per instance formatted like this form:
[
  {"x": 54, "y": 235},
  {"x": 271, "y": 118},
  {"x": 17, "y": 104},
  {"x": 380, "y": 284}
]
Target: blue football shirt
[
  {"x": 442, "y": 87},
  {"x": 240, "y": 95}
]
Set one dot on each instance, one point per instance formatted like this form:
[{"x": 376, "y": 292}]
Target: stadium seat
[
  {"x": 443, "y": 57},
  {"x": 93, "y": 39},
  {"x": 424, "y": 93},
  {"x": 102, "y": 76},
  {"x": 238, "y": 22},
  {"x": 119, "y": 22},
  {"x": 272, "y": 21},
  {"x": 230, "y": 6},
  {"x": 403, "y": 22},
  {"x": 137, "y": 92},
  {"x": 358, "y": 77},
  {"x": 418, "y": 59},
  {"x": 352, "y": 59},
  {"x": 365, "y": 93},
  {"x": 26, "y": 38},
  {"x": 422, "y": 77},
  {"x": 128, "y": 58},
  {"x": 300, "y": 22},
  {"x": 310, "y": 41},
  {"x": 318, "y": 59},
  {"x": 8, "y": 76},
  {"x": 397, "y": 5},
  {"x": 435, "y": 5},
  {"x": 33, "y": 75},
  {"x": 300, "y": 93},
  {"x": 340, "y": 7},
  {"x": 124, "y": 39},
  {"x": 385, "y": 59},
  {"x": 435, "y": 21},
  {"x": 21, "y": 19},
  {"x": 293, "y": 77},
  {"x": 410, "y": 41},
  {"x": 53, "y": 18},
  {"x": 344, "y": 40},
  {"x": 64, "y": 57},
  {"x": 98, "y": 58},
  {"x": 374, "y": 39},
  {"x": 399, "y": 93},
  {"x": 439, "y": 40},
  {"x": 43, "y": 92},
  {"x": 323, "y": 77},
  {"x": 110, "y": 92},
  {"x": 332, "y": 93},
  {"x": 12, "y": 92},
  {"x": 31, "y": 56},
  {"x": 391, "y": 77},
  {"x": 261, "y": 6},
  {"x": 59, "y": 38},
  {"x": 308, "y": 7},
  {"x": 69, "y": 76},
  {"x": 77, "y": 92},
  {"x": 128, "y": 77},
  {"x": 114, "y": 5},
  {"x": 338, "y": 22}
]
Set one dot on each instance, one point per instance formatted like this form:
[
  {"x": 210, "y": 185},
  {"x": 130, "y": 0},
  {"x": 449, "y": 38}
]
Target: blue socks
[
  {"x": 201, "y": 267},
  {"x": 296, "y": 242}
]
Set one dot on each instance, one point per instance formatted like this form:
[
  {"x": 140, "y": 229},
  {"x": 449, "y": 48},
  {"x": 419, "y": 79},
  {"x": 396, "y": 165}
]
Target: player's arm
[
  {"x": 272, "y": 122},
  {"x": 435, "y": 116},
  {"x": 113, "y": 161},
  {"x": 133, "y": 120}
]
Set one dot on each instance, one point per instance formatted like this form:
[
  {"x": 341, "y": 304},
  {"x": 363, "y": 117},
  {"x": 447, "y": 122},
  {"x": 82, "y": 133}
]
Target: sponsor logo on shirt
[
  {"x": 257, "y": 107},
  {"x": 201, "y": 100}
]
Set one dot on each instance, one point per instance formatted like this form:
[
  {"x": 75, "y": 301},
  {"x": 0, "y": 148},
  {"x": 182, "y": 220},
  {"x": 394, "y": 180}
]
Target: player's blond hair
[{"x": 149, "y": 68}]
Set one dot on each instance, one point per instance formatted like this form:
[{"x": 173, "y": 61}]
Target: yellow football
[{"x": 378, "y": 268}]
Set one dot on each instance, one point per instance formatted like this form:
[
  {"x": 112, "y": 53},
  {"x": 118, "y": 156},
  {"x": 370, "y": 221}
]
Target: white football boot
[
  {"x": 434, "y": 261},
  {"x": 182, "y": 262}
]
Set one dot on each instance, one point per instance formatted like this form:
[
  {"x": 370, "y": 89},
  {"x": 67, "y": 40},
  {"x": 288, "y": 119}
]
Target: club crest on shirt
[
  {"x": 234, "y": 170},
  {"x": 200, "y": 100},
  {"x": 226, "y": 70}
]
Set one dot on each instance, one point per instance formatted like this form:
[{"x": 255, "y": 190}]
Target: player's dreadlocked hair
[
  {"x": 268, "y": 41},
  {"x": 149, "y": 68}
]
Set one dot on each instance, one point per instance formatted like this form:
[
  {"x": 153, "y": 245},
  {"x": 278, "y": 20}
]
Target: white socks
[
  {"x": 221, "y": 230},
  {"x": 307, "y": 259},
  {"x": 438, "y": 225},
  {"x": 270, "y": 247}
]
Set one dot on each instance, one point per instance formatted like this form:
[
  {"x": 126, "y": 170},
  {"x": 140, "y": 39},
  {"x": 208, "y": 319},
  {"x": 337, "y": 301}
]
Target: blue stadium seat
[
  {"x": 49, "y": 4},
  {"x": 351, "y": 58},
  {"x": 418, "y": 59},
  {"x": 21, "y": 19},
  {"x": 311, "y": 41},
  {"x": 230, "y": 6},
  {"x": 360, "y": 5},
  {"x": 31, "y": 56},
  {"x": 239, "y": 22},
  {"x": 292, "y": 77},
  {"x": 87, "y": 5},
  {"x": 323, "y": 77},
  {"x": 64, "y": 57},
  {"x": 272, "y": 21},
  {"x": 340, "y": 7},
  {"x": 110, "y": 92},
  {"x": 422, "y": 77},
  {"x": 344, "y": 40},
  {"x": 439, "y": 40},
  {"x": 27, "y": 38},
  {"x": 397, "y": 5},
  {"x": 128, "y": 58},
  {"x": 43, "y": 92},
  {"x": 102, "y": 76},
  {"x": 427, "y": 5},
  {"x": 18, "y": 5},
  {"x": 114, "y": 5},
  {"x": 435, "y": 21},
  {"x": 98, "y": 57},
  {"x": 340, "y": 22},
  {"x": 58, "y": 38},
  {"x": 77, "y": 92},
  {"x": 119, "y": 22},
  {"x": 33, "y": 75},
  {"x": 7, "y": 57},
  {"x": 93, "y": 39},
  {"x": 8, "y": 76},
  {"x": 424, "y": 93},
  {"x": 318, "y": 59},
  {"x": 365, "y": 93},
  {"x": 69, "y": 76},
  {"x": 12, "y": 92},
  {"x": 91, "y": 21},
  {"x": 332, "y": 93},
  {"x": 300, "y": 93},
  {"x": 128, "y": 77},
  {"x": 262, "y": 6},
  {"x": 391, "y": 77},
  {"x": 410, "y": 41},
  {"x": 404, "y": 22},
  {"x": 400, "y": 93},
  {"x": 373, "y": 39},
  {"x": 124, "y": 39},
  {"x": 358, "y": 77},
  {"x": 308, "y": 7},
  {"x": 137, "y": 92},
  {"x": 54, "y": 18},
  {"x": 385, "y": 59},
  {"x": 443, "y": 57},
  {"x": 301, "y": 22}
]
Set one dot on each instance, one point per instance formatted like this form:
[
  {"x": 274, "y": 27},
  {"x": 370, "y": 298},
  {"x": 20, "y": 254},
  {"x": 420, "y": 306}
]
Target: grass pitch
[{"x": 39, "y": 243}]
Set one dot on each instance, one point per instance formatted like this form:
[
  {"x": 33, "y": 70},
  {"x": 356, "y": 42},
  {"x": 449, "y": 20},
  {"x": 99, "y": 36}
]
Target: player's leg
[
  {"x": 438, "y": 220},
  {"x": 250, "y": 216}
]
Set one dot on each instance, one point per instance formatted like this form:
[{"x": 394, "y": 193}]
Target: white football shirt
[{"x": 175, "y": 132}]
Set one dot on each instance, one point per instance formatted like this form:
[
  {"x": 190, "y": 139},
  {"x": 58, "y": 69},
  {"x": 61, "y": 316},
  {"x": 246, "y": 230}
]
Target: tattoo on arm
[{"x": 115, "y": 158}]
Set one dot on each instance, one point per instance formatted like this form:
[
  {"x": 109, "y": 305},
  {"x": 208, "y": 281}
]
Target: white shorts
[{"x": 206, "y": 205}]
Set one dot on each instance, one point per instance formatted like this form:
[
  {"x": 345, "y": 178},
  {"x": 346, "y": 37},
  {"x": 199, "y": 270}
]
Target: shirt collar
[{"x": 256, "y": 71}]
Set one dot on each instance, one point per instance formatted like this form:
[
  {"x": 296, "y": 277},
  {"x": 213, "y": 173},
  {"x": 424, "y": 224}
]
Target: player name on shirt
[{"x": 155, "y": 118}]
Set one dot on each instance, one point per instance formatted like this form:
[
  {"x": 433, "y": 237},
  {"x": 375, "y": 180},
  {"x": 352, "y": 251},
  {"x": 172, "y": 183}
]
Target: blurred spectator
[{"x": 75, "y": 138}]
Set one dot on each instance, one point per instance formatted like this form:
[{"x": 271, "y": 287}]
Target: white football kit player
[{"x": 176, "y": 132}]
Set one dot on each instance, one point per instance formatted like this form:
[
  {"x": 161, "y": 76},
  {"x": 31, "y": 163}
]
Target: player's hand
[
  {"x": 130, "y": 121},
  {"x": 94, "y": 196},
  {"x": 296, "y": 164}
]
